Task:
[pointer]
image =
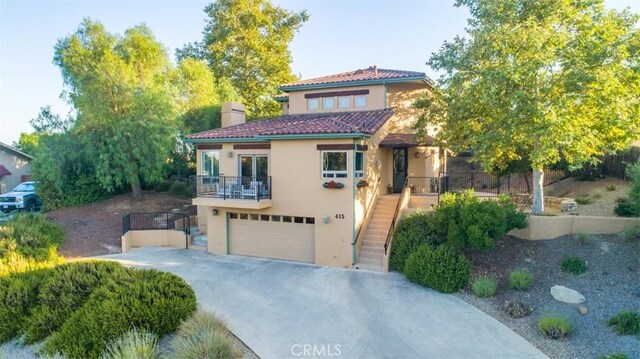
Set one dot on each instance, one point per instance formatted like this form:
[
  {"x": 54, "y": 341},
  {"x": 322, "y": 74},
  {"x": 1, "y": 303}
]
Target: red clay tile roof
[
  {"x": 365, "y": 122},
  {"x": 4, "y": 171},
  {"x": 370, "y": 74}
]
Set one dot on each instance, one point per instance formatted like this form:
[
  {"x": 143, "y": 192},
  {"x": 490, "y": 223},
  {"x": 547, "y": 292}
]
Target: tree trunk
[
  {"x": 136, "y": 190},
  {"x": 538, "y": 191}
]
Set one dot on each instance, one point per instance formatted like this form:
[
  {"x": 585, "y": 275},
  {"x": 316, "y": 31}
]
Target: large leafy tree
[
  {"x": 536, "y": 81},
  {"x": 120, "y": 89},
  {"x": 247, "y": 42}
]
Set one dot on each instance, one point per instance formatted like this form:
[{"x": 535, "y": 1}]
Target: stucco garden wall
[
  {"x": 549, "y": 227},
  {"x": 153, "y": 238}
]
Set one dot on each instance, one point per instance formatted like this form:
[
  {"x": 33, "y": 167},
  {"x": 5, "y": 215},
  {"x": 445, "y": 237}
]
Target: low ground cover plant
[
  {"x": 27, "y": 242},
  {"x": 614, "y": 356},
  {"x": 520, "y": 279},
  {"x": 442, "y": 268},
  {"x": 554, "y": 327},
  {"x": 78, "y": 308},
  {"x": 202, "y": 336},
  {"x": 626, "y": 323},
  {"x": 484, "y": 287},
  {"x": 516, "y": 309},
  {"x": 574, "y": 265}
]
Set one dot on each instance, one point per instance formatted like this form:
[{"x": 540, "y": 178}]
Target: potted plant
[
  {"x": 362, "y": 183},
  {"x": 389, "y": 188}
]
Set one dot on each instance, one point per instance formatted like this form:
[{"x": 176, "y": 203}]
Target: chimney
[
  {"x": 375, "y": 70},
  {"x": 232, "y": 114}
]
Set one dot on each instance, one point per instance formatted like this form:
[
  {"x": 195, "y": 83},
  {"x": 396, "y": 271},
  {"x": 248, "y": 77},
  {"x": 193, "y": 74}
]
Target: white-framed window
[
  {"x": 328, "y": 102},
  {"x": 359, "y": 165},
  {"x": 313, "y": 103},
  {"x": 360, "y": 100},
  {"x": 334, "y": 164},
  {"x": 210, "y": 163},
  {"x": 344, "y": 101}
]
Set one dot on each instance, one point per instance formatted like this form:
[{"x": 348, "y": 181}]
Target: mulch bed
[{"x": 611, "y": 284}]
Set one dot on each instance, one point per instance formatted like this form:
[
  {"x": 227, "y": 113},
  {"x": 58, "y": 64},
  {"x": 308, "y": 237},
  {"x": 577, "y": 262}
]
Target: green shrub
[
  {"x": 630, "y": 207},
  {"x": 614, "y": 356},
  {"x": 583, "y": 198},
  {"x": 626, "y": 323},
  {"x": 574, "y": 265},
  {"x": 65, "y": 290},
  {"x": 611, "y": 187},
  {"x": 554, "y": 327},
  {"x": 164, "y": 186},
  {"x": 484, "y": 287},
  {"x": 155, "y": 301},
  {"x": 18, "y": 295},
  {"x": 33, "y": 234},
  {"x": 632, "y": 233},
  {"x": 442, "y": 269},
  {"x": 520, "y": 279},
  {"x": 410, "y": 233},
  {"x": 467, "y": 222},
  {"x": 202, "y": 336},
  {"x": 625, "y": 208},
  {"x": 582, "y": 238},
  {"x": 134, "y": 344},
  {"x": 182, "y": 189}
]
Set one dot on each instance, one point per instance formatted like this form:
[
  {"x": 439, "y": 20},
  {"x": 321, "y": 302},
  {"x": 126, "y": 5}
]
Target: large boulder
[{"x": 566, "y": 295}]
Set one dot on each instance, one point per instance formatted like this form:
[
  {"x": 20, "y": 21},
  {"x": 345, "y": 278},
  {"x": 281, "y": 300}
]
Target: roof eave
[
  {"x": 267, "y": 138},
  {"x": 353, "y": 83},
  {"x": 224, "y": 140}
]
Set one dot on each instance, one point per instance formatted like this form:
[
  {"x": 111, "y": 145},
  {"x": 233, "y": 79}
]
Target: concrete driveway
[{"x": 288, "y": 310}]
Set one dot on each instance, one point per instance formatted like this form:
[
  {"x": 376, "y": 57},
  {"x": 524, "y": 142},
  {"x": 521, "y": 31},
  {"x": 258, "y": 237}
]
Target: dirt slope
[{"x": 95, "y": 229}]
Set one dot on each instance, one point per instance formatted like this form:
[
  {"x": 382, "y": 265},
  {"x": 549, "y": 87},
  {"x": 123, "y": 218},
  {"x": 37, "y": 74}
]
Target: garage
[{"x": 272, "y": 236}]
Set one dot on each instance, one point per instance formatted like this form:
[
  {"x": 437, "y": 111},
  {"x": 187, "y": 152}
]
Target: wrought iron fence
[{"x": 228, "y": 187}]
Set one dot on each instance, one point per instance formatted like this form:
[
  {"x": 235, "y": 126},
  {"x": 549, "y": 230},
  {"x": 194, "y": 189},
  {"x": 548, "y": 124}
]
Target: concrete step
[
  {"x": 370, "y": 261},
  {"x": 199, "y": 240},
  {"x": 368, "y": 267},
  {"x": 375, "y": 243},
  {"x": 371, "y": 252},
  {"x": 198, "y": 247}
]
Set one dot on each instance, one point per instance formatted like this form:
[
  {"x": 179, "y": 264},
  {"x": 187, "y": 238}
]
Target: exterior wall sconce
[
  {"x": 230, "y": 154},
  {"x": 214, "y": 211},
  {"x": 417, "y": 154},
  {"x": 325, "y": 219}
]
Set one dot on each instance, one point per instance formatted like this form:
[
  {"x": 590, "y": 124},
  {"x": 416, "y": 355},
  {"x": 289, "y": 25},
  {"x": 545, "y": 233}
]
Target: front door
[{"x": 400, "y": 164}]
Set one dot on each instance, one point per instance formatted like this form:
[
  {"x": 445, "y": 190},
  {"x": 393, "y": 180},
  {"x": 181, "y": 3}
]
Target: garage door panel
[{"x": 279, "y": 240}]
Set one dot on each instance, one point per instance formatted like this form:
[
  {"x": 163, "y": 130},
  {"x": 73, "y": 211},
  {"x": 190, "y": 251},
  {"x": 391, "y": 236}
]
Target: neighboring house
[
  {"x": 311, "y": 185},
  {"x": 15, "y": 167}
]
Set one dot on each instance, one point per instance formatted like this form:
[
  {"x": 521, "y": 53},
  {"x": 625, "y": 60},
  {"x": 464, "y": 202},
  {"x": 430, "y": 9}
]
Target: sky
[{"x": 341, "y": 35}]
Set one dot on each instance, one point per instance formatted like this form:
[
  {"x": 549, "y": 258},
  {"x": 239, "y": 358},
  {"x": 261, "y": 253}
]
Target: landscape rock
[
  {"x": 568, "y": 205},
  {"x": 566, "y": 295},
  {"x": 583, "y": 310}
]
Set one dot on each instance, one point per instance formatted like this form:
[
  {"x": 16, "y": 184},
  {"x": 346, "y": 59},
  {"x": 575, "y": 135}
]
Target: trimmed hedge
[
  {"x": 442, "y": 269},
  {"x": 410, "y": 233},
  {"x": 148, "y": 299}
]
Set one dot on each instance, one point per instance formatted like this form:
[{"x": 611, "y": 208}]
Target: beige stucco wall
[
  {"x": 375, "y": 100},
  {"x": 549, "y": 227},
  {"x": 153, "y": 238},
  {"x": 17, "y": 165},
  {"x": 402, "y": 96}
]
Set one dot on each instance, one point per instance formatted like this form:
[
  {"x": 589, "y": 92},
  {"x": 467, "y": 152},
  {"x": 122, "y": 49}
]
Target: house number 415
[{"x": 339, "y": 215}]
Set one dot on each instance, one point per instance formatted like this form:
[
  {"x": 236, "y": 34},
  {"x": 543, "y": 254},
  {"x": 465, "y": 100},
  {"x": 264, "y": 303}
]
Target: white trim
[{"x": 334, "y": 174}]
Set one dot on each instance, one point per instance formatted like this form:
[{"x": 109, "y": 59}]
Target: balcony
[{"x": 233, "y": 192}]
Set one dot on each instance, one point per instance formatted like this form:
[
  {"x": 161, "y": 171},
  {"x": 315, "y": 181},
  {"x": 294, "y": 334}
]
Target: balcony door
[{"x": 254, "y": 166}]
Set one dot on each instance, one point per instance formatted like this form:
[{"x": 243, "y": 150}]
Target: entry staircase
[
  {"x": 372, "y": 249},
  {"x": 198, "y": 239}
]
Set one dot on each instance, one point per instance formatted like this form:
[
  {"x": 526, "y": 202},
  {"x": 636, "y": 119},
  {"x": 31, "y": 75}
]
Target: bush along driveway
[{"x": 283, "y": 309}]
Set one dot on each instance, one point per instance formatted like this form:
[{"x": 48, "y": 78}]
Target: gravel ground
[
  {"x": 604, "y": 200},
  {"x": 611, "y": 284}
]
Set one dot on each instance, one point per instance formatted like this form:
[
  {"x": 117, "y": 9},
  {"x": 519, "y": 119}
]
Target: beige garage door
[{"x": 279, "y": 237}]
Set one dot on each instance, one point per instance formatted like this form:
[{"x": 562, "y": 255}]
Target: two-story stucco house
[{"x": 320, "y": 183}]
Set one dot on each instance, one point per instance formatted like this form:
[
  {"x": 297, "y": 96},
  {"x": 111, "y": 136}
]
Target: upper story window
[
  {"x": 211, "y": 163},
  {"x": 313, "y": 103},
  {"x": 360, "y": 100},
  {"x": 328, "y": 102},
  {"x": 334, "y": 164},
  {"x": 344, "y": 101},
  {"x": 359, "y": 169}
]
